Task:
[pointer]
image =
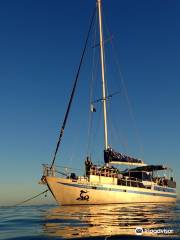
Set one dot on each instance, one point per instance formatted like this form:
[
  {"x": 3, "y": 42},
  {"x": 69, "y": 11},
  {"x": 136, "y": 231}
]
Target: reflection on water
[{"x": 109, "y": 220}]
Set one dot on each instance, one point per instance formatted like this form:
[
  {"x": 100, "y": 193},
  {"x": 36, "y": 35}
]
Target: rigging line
[
  {"x": 118, "y": 137},
  {"x": 73, "y": 91},
  {"x": 29, "y": 199},
  {"x": 109, "y": 124},
  {"x": 114, "y": 128},
  {"x": 129, "y": 106},
  {"x": 97, "y": 131},
  {"x": 91, "y": 90},
  {"x": 92, "y": 113},
  {"x": 108, "y": 96},
  {"x": 95, "y": 76},
  {"x": 125, "y": 91},
  {"x": 111, "y": 133}
]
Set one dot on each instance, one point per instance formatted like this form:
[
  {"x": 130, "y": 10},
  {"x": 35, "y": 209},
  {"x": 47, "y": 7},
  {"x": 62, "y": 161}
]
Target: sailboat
[{"x": 108, "y": 184}]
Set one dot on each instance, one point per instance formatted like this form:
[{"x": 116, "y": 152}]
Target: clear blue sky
[{"x": 40, "y": 47}]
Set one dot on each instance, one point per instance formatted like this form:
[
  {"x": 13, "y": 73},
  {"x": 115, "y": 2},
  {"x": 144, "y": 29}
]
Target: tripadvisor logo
[{"x": 140, "y": 231}]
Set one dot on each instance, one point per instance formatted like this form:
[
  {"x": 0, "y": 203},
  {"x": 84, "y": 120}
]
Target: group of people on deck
[{"x": 162, "y": 181}]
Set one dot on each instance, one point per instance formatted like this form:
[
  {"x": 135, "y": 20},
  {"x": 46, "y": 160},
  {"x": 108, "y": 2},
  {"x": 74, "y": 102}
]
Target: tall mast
[{"x": 102, "y": 72}]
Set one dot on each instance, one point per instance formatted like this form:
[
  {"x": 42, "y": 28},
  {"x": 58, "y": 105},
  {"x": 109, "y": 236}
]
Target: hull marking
[{"x": 117, "y": 190}]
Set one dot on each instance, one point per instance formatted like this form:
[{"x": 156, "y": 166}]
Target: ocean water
[{"x": 91, "y": 222}]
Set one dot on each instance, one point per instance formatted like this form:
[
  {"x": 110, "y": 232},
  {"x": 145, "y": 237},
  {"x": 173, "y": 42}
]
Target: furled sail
[{"x": 111, "y": 156}]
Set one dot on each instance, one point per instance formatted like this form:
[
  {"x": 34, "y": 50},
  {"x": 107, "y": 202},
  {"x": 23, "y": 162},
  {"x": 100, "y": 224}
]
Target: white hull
[{"x": 67, "y": 192}]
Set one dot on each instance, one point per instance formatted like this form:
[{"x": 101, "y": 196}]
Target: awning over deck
[{"x": 150, "y": 168}]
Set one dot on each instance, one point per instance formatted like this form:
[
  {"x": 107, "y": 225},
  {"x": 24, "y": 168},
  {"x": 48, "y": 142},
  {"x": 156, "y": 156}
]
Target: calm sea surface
[{"x": 95, "y": 222}]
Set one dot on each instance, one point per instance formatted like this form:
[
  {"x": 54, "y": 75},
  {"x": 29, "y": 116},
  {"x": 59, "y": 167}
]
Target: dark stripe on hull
[{"x": 116, "y": 190}]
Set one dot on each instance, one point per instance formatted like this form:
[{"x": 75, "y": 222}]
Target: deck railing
[
  {"x": 61, "y": 170},
  {"x": 48, "y": 171}
]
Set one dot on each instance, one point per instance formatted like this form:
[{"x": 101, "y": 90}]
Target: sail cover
[{"x": 111, "y": 156}]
